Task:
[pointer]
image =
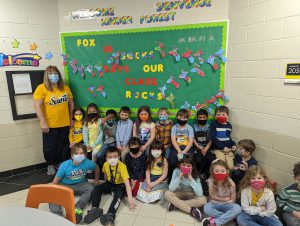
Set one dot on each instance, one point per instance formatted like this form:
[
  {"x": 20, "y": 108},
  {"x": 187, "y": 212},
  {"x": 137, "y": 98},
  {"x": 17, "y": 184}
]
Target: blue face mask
[
  {"x": 78, "y": 158},
  {"x": 54, "y": 78},
  {"x": 163, "y": 117},
  {"x": 110, "y": 122}
]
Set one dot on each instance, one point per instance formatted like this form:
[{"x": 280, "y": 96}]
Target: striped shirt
[
  {"x": 220, "y": 135},
  {"x": 289, "y": 199}
]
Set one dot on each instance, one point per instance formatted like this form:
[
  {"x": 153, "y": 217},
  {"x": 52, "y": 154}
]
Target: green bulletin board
[{"x": 133, "y": 67}]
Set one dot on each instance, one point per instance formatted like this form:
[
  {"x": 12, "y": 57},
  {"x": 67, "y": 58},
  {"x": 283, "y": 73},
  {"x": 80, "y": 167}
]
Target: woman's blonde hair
[
  {"x": 47, "y": 83},
  {"x": 252, "y": 172},
  {"x": 226, "y": 183}
]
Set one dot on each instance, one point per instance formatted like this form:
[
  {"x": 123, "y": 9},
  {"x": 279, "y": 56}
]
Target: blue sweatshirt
[
  {"x": 220, "y": 135},
  {"x": 185, "y": 184},
  {"x": 123, "y": 133}
]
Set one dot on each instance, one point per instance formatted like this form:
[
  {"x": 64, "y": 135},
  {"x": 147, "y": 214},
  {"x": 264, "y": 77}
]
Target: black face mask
[
  {"x": 134, "y": 150},
  {"x": 181, "y": 122},
  {"x": 92, "y": 115},
  {"x": 202, "y": 122},
  {"x": 124, "y": 120}
]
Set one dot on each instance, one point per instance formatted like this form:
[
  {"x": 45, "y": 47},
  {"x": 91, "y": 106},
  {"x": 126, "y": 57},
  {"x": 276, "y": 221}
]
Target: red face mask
[
  {"x": 144, "y": 117},
  {"x": 221, "y": 119},
  {"x": 185, "y": 170},
  {"x": 220, "y": 176},
  {"x": 257, "y": 184}
]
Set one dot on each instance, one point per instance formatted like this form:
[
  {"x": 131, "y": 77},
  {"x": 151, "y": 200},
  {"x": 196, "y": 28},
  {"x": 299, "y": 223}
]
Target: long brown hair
[
  {"x": 252, "y": 172},
  {"x": 47, "y": 83},
  {"x": 226, "y": 183},
  {"x": 156, "y": 145},
  {"x": 138, "y": 121}
]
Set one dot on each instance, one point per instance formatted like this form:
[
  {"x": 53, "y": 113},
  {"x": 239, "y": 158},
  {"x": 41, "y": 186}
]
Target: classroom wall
[
  {"x": 28, "y": 21},
  {"x": 263, "y": 37}
]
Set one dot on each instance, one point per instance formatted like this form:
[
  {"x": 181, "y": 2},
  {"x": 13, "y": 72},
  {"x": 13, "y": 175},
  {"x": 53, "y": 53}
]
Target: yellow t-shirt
[
  {"x": 76, "y": 133},
  {"x": 55, "y": 106},
  {"x": 157, "y": 169},
  {"x": 120, "y": 176},
  {"x": 93, "y": 129}
]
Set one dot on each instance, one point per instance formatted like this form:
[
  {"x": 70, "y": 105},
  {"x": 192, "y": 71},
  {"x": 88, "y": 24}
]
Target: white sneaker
[{"x": 51, "y": 170}]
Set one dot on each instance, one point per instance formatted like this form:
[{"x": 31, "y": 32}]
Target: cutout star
[
  {"x": 48, "y": 56},
  {"x": 15, "y": 43},
  {"x": 33, "y": 47}
]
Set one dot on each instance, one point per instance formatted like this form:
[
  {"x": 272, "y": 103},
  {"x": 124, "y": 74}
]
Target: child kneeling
[
  {"x": 185, "y": 190},
  {"x": 117, "y": 180},
  {"x": 257, "y": 200},
  {"x": 71, "y": 173}
]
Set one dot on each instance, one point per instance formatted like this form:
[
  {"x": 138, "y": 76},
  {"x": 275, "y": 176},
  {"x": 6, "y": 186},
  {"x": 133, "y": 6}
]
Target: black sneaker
[
  {"x": 110, "y": 220},
  {"x": 78, "y": 215},
  {"x": 171, "y": 207},
  {"x": 196, "y": 213},
  {"x": 93, "y": 215}
]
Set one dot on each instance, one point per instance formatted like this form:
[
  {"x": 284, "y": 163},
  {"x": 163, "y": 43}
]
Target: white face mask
[
  {"x": 156, "y": 153},
  {"x": 113, "y": 161}
]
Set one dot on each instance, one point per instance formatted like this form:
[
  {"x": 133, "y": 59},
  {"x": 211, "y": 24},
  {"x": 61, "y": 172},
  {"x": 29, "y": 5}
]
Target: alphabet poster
[{"x": 174, "y": 66}]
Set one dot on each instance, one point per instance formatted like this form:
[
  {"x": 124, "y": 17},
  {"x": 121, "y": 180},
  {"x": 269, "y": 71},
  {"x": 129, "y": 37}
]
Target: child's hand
[
  {"x": 119, "y": 147},
  {"x": 96, "y": 182},
  {"x": 148, "y": 189},
  {"x": 296, "y": 214},
  {"x": 72, "y": 144},
  {"x": 263, "y": 208},
  {"x": 133, "y": 182},
  {"x": 143, "y": 148},
  {"x": 244, "y": 166},
  {"x": 180, "y": 175},
  {"x": 131, "y": 204},
  {"x": 190, "y": 176},
  {"x": 89, "y": 148},
  {"x": 233, "y": 148}
]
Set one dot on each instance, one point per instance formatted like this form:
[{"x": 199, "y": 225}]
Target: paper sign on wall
[
  {"x": 22, "y": 83},
  {"x": 292, "y": 73}
]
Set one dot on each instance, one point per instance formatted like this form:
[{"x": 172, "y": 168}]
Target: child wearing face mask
[
  {"x": 136, "y": 162},
  {"x": 202, "y": 152},
  {"x": 221, "y": 207},
  {"x": 75, "y": 132},
  {"x": 288, "y": 200},
  {"x": 144, "y": 128},
  {"x": 185, "y": 190},
  {"x": 243, "y": 160},
  {"x": 110, "y": 128},
  {"x": 116, "y": 182},
  {"x": 124, "y": 131},
  {"x": 182, "y": 136},
  {"x": 152, "y": 189},
  {"x": 93, "y": 131},
  {"x": 257, "y": 200},
  {"x": 71, "y": 173},
  {"x": 222, "y": 144},
  {"x": 163, "y": 130}
]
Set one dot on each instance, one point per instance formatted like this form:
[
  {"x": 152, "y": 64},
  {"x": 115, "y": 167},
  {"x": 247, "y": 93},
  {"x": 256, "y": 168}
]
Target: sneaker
[
  {"x": 78, "y": 215},
  {"x": 208, "y": 222},
  {"x": 171, "y": 207},
  {"x": 196, "y": 213},
  {"x": 51, "y": 170},
  {"x": 93, "y": 215},
  {"x": 110, "y": 220}
]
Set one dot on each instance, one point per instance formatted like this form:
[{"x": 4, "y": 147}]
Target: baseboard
[{"x": 21, "y": 170}]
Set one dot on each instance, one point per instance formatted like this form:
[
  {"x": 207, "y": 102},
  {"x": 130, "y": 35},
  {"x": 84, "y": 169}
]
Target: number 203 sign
[{"x": 292, "y": 73}]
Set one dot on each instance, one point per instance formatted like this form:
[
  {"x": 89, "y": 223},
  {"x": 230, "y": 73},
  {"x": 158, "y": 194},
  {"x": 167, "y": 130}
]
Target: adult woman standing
[{"x": 53, "y": 103}]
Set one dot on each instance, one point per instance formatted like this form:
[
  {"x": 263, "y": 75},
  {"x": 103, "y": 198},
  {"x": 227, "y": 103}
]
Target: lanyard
[{"x": 112, "y": 177}]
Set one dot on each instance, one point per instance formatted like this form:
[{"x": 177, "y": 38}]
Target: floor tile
[
  {"x": 123, "y": 208},
  {"x": 178, "y": 223},
  {"x": 177, "y": 215},
  {"x": 125, "y": 219},
  {"x": 18, "y": 195},
  {"x": 5, "y": 201},
  {"x": 148, "y": 221},
  {"x": 153, "y": 210}
]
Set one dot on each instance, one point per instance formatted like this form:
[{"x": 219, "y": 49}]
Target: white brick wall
[
  {"x": 264, "y": 36},
  {"x": 28, "y": 21}
]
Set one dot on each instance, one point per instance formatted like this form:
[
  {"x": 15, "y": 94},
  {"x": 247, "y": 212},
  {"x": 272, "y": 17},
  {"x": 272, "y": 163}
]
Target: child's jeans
[
  {"x": 185, "y": 200},
  {"x": 167, "y": 153},
  {"x": 228, "y": 157},
  {"x": 107, "y": 188},
  {"x": 290, "y": 220},
  {"x": 222, "y": 212},
  {"x": 101, "y": 154},
  {"x": 245, "y": 219},
  {"x": 84, "y": 189}
]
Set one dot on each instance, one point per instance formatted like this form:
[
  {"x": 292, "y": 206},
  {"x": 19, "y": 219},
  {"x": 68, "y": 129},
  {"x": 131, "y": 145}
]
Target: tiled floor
[{"x": 144, "y": 215}]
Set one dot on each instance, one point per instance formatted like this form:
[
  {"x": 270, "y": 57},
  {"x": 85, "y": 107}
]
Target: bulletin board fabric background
[{"x": 113, "y": 68}]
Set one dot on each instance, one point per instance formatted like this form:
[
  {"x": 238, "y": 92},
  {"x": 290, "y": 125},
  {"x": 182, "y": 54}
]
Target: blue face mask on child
[
  {"x": 163, "y": 117},
  {"x": 78, "y": 158}
]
